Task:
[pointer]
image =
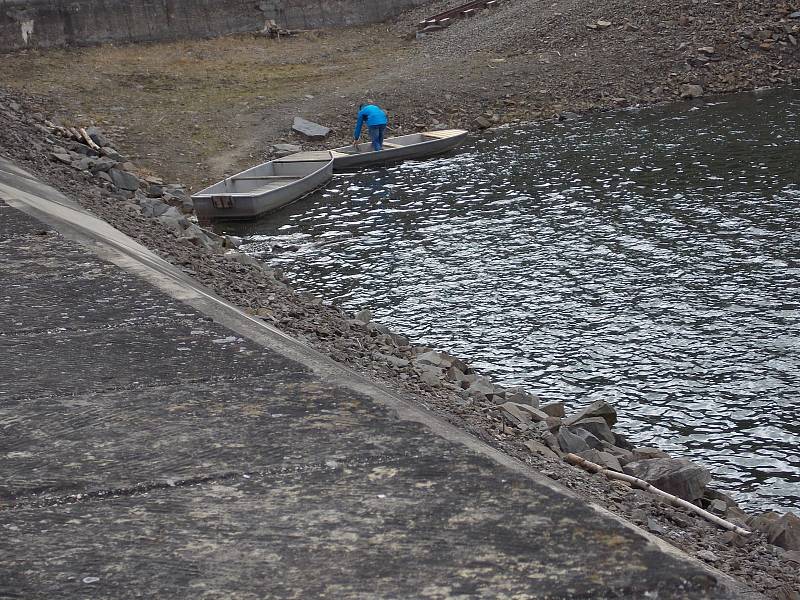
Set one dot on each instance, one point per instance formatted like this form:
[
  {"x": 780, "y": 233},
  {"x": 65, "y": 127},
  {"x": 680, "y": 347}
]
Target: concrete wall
[{"x": 49, "y": 23}]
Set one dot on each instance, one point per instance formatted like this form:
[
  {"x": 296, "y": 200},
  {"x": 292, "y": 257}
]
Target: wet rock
[
  {"x": 598, "y": 408},
  {"x": 690, "y": 91},
  {"x": 124, "y": 180},
  {"x": 554, "y": 409},
  {"x": 781, "y": 530},
  {"x": 604, "y": 459},
  {"x": 482, "y": 123},
  {"x": 795, "y": 15},
  {"x": 679, "y": 477},
  {"x": 280, "y": 150},
  {"x": 310, "y": 130},
  {"x": 598, "y": 427}
]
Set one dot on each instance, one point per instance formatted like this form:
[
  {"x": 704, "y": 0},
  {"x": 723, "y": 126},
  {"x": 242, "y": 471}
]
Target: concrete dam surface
[
  {"x": 161, "y": 443},
  {"x": 53, "y": 23}
]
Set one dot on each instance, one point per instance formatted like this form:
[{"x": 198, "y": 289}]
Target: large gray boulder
[
  {"x": 598, "y": 408},
  {"x": 598, "y": 427},
  {"x": 569, "y": 442},
  {"x": 124, "y": 180},
  {"x": 781, "y": 530},
  {"x": 311, "y": 131},
  {"x": 676, "y": 476},
  {"x": 604, "y": 459}
]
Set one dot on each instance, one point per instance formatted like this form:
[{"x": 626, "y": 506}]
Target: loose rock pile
[{"x": 509, "y": 418}]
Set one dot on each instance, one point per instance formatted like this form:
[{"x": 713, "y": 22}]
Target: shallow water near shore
[{"x": 650, "y": 258}]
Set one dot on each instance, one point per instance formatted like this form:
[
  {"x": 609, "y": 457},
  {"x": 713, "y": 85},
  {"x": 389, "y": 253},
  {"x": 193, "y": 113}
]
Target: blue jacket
[{"x": 370, "y": 114}]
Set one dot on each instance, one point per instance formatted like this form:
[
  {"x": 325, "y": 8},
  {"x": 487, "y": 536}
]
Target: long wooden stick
[{"x": 574, "y": 459}]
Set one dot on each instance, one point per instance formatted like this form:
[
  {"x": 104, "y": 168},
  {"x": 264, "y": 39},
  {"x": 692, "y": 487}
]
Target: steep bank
[{"x": 195, "y": 110}]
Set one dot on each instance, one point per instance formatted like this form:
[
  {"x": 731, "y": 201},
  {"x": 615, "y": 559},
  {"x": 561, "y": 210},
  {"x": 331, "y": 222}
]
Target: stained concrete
[
  {"x": 49, "y": 23},
  {"x": 156, "y": 442}
]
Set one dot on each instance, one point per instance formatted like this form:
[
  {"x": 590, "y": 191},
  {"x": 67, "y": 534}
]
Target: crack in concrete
[{"x": 142, "y": 489}]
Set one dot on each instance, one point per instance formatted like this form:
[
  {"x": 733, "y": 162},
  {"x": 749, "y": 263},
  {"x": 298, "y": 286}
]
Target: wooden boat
[
  {"x": 404, "y": 147},
  {"x": 263, "y": 188}
]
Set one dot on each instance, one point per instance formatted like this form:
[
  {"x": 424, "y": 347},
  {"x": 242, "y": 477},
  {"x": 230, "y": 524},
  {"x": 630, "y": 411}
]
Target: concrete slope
[{"x": 157, "y": 442}]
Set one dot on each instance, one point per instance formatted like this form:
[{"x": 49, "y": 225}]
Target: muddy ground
[{"x": 193, "y": 111}]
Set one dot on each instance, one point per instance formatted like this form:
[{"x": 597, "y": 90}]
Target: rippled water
[{"x": 648, "y": 258}]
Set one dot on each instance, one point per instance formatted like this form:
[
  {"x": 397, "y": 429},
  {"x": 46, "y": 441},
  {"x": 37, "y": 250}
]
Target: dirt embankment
[{"x": 193, "y": 111}]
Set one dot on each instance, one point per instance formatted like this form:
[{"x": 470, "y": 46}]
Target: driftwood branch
[
  {"x": 641, "y": 484},
  {"x": 88, "y": 140}
]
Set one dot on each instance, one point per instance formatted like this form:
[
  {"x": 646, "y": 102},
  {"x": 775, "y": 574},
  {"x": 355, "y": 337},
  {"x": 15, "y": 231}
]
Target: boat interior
[
  {"x": 266, "y": 177},
  {"x": 397, "y": 142}
]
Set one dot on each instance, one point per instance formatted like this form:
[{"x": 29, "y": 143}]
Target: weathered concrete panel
[{"x": 50, "y": 23}]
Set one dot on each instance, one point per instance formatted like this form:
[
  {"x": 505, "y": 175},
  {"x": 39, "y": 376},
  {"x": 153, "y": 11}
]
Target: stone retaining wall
[{"x": 51, "y": 23}]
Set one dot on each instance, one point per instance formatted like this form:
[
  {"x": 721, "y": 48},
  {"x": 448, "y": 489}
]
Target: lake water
[{"x": 649, "y": 258}]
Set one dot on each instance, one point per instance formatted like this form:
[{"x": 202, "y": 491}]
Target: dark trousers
[{"x": 376, "y": 136}]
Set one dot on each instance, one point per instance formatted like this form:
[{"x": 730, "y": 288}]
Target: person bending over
[{"x": 376, "y": 120}]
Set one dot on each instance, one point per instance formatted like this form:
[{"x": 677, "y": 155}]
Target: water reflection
[{"x": 649, "y": 258}]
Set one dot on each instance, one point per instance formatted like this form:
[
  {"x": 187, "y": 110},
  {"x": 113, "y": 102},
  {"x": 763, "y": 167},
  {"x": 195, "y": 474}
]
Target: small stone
[
  {"x": 540, "y": 449},
  {"x": 603, "y": 24},
  {"x": 795, "y": 15},
  {"x": 281, "y": 150},
  {"x": 655, "y": 527},
  {"x": 690, "y": 91},
  {"x": 482, "y": 123},
  {"x": 706, "y": 49},
  {"x": 707, "y": 556}
]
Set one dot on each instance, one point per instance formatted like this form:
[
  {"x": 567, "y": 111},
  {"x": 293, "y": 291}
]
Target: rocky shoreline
[{"x": 85, "y": 165}]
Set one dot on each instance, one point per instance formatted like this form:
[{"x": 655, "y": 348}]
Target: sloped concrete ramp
[{"x": 156, "y": 442}]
